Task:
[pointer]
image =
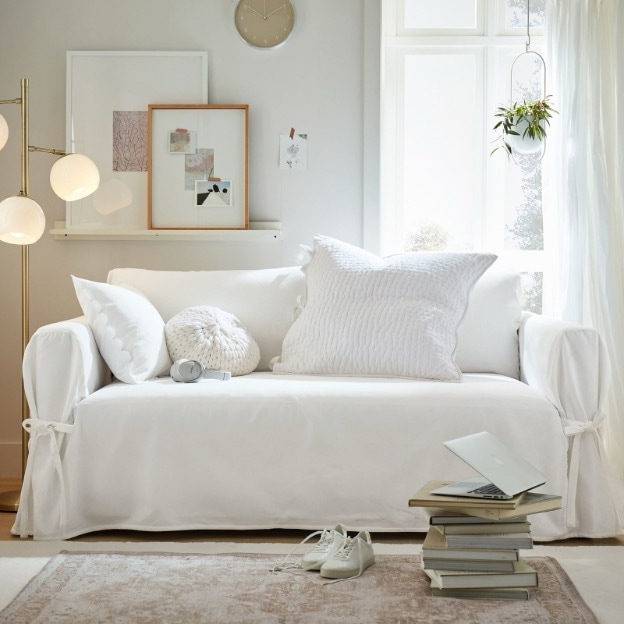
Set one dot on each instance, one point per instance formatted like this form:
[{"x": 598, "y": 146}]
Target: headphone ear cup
[{"x": 187, "y": 371}]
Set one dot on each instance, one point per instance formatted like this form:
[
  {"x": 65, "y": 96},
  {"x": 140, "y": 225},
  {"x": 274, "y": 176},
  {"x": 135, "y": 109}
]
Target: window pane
[
  {"x": 528, "y": 76},
  {"x": 516, "y": 13},
  {"x": 532, "y": 288},
  {"x": 524, "y": 225},
  {"x": 442, "y": 156},
  {"x": 445, "y": 14}
]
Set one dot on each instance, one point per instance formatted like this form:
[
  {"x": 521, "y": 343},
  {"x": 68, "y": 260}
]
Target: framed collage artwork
[{"x": 198, "y": 166}]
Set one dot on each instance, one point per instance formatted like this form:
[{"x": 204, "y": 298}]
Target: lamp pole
[
  {"x": 25, "y": 264},
  {"x": 9, "y": 501},
  {"x": 22, "y": 222}
]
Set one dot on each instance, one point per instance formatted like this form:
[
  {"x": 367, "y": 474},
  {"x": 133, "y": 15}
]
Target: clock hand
[
  {"x": 254, "y": 11},
  {"x": 275, "y": 11}
]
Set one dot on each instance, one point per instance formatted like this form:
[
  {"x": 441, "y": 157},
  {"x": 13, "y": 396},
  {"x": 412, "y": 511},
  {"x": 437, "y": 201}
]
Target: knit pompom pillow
[{"x": 213, "y": 337}]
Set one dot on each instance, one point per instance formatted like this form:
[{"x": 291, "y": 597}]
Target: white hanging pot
[{"x": 524, "y": 144}]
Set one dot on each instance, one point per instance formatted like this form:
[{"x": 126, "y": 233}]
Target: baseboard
[{"x": 10, "y": 460}]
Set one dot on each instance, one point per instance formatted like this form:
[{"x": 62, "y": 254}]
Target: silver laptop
[{"x": 504, "y": 473}]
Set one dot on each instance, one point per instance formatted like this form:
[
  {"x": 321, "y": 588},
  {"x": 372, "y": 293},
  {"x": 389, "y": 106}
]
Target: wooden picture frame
[{"x": 198, "y": 167}]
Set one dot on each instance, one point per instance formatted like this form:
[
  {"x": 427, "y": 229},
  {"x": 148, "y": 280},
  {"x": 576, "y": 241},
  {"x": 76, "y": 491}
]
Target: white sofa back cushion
[
  {"x": 487, "y": 337},
  {"x": 262, "y": 299}
]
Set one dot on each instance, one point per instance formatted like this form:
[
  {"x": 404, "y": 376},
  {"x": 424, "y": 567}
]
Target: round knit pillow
[{"x": 213, "y": 337}]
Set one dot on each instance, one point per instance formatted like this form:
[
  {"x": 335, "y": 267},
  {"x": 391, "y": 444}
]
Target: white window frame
[
  {"x": 494, "y": 40},
  {"x": 401, "y": 30}
]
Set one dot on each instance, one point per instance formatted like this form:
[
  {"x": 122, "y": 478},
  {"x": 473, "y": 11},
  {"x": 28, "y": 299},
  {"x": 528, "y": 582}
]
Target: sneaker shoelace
[
  {"x": 344, "y": 553},
  {"x": 287, "y": 565},
  {"x": 325, "y": 541}
]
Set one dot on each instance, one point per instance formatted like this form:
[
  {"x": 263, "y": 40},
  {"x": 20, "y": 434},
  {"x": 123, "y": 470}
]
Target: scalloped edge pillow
[
  {"x": 128, "y": 330},
  {"x": 385, "y": 317},
  {"x": 214, "y": 337}
]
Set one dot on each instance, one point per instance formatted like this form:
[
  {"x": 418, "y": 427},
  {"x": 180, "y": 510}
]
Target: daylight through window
[{"x": 447, "y": 66}]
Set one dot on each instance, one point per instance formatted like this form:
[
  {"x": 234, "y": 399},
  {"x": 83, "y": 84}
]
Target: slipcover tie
[
  {"x": 576, "y": 429},
  {"x": 38, "y": 428}
]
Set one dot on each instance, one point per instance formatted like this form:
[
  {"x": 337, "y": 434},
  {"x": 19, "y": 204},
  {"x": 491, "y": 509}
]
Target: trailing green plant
[{"x": 535, "y": 113}]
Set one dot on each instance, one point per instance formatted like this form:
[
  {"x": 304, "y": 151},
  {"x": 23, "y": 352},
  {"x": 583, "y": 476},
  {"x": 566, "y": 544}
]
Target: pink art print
[{"x": 129, "y": 140}]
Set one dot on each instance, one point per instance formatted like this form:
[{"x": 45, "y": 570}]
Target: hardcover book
[
  {"x": 490, "y": 540},
  {"x": 531, "y": 503},
  {"x": 486, "y": 528},
  {"x": 522, "y": 576},
  {"x": 425, "y": 498},
  {"x": 446, "y": 517},
  {"x": 435, "y": 547},
  {"x": 467, "y": 565},
  {"x": 488, "y": 593}
]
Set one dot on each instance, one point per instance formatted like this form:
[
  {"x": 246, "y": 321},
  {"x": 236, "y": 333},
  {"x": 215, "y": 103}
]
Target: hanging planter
[{"x": 522, "y": 126}]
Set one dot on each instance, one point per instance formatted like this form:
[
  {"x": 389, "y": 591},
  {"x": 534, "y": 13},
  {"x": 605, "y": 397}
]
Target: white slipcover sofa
[{"x": 305, "y": 451}]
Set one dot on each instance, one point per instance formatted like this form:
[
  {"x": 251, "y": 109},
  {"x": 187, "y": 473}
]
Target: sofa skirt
[{"x": 266, "y": 451}]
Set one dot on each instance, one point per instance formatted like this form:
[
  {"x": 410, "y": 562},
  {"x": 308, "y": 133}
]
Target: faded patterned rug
[{"x": 151, "y": 588}]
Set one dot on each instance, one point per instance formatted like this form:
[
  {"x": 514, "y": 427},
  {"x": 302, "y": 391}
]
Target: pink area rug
[{"x": 149, "y": 588}]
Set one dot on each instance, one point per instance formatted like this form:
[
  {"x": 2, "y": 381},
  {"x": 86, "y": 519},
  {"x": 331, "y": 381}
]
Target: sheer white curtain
[{"x": 586, "y": 51}]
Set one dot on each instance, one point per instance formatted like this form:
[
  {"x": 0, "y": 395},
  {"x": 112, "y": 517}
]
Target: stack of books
[{"x": 472, "y": 548}]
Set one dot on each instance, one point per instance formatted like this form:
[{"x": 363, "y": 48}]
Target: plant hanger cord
[{"x": 541, "y": 60}]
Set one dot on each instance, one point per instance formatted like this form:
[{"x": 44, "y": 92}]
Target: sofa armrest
[
  {"x": 569, "y": 364},
  {"x": 62, "y": 366}
]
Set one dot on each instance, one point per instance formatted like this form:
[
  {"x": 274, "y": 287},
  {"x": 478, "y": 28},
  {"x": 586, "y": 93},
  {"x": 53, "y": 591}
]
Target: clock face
[{"x": 265, "y": 23}]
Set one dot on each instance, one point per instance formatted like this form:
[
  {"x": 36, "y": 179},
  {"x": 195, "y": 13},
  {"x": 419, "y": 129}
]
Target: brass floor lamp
[{"x": 22, "y": 222}]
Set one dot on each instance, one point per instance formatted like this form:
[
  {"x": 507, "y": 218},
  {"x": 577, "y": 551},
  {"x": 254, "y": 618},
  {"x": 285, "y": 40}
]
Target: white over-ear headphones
[{"x": 189, "y": 371}]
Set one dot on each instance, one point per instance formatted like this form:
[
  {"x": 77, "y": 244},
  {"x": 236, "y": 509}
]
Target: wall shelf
[{"x": 259, "y": 231}]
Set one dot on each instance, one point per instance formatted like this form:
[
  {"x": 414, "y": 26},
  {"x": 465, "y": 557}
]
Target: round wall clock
[{"x": 265, "y": 23}]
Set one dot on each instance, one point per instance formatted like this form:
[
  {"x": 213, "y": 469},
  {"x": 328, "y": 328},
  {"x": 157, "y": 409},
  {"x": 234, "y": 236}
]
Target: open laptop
[{"x": 504, "y": 473}]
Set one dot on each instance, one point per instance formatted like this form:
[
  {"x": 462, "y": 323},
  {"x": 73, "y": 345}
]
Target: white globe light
[
  {"x": 22, "y": 221},
  {"x": 74, "y": 176},
  {"x": 4, "y": 132}
]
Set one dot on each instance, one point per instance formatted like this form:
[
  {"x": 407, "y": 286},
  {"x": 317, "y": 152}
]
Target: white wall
[{"x": 315, "y": 83}]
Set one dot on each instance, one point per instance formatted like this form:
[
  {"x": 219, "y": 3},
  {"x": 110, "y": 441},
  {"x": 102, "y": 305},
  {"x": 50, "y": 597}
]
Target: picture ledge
[{"x": 259, "y": 231}]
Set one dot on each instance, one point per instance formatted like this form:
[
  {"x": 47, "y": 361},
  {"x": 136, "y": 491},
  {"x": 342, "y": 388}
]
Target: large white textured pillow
[
  {"x": 371, "y": 316},
  {"x": 214, "y": 337},
  {"x": 128, "y": 330}
]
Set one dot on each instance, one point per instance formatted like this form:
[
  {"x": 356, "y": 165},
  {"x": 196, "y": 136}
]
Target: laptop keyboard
[{"x": 488, "y": 490}]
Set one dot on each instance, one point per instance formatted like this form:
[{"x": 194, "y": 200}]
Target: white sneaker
[
  {"x": 355, "y": 555},
  {"x": 330, "y": 542}
]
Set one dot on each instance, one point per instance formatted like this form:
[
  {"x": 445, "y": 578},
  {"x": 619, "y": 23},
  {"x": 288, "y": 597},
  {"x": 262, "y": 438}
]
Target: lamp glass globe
[
  {"x": 4, "y": 132},
  {"x": 74, "y": 176},
  {"x": 22, "y": 221}
]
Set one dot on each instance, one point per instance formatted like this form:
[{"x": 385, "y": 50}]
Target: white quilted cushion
[
  {"x": 128, "y": 330},
  {"x": 365, "y": 315},
  {"x": 213, "y": 337}
]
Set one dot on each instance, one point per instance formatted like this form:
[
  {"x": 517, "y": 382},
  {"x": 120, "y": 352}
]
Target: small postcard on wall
[{"x": 294, "y": 151}]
